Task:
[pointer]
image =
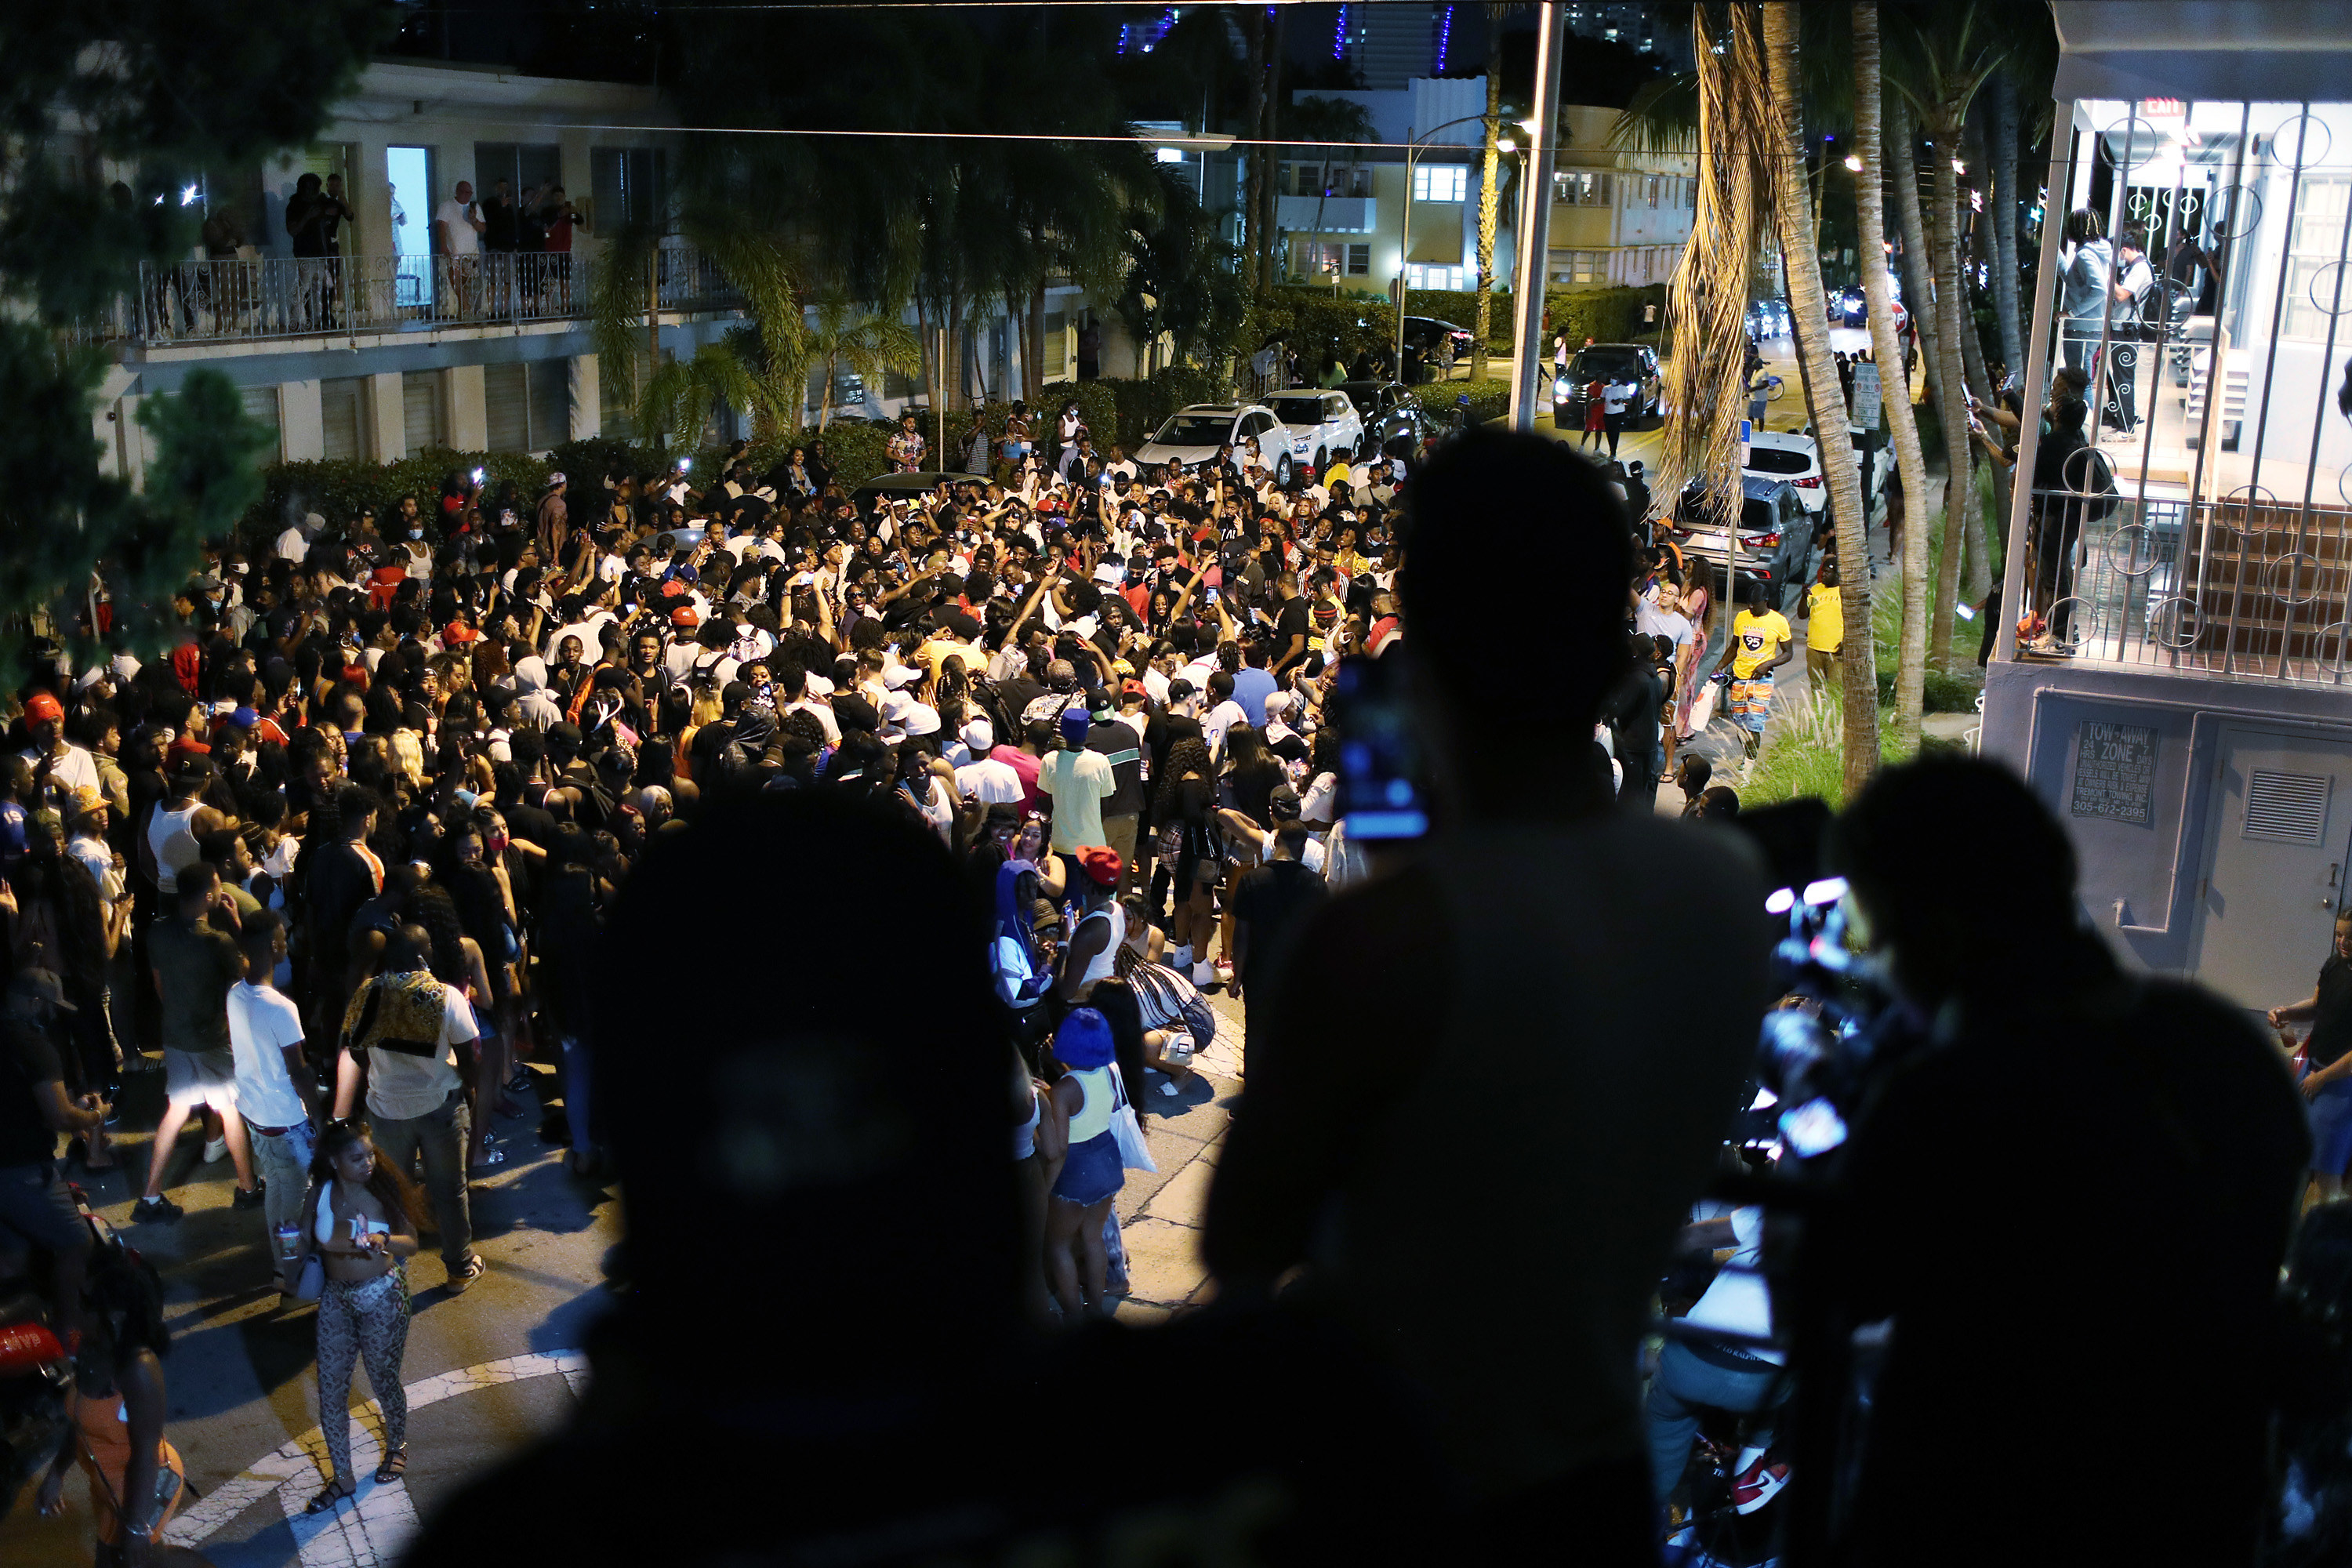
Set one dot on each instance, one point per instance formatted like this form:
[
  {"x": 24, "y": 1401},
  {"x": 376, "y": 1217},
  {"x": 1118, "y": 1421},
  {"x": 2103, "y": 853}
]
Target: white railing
[{"x": 289, "y": 297}]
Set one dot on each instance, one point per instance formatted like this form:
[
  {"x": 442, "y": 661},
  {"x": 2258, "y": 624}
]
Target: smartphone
[
  {"x": 1380, "y": 783},
  {"x": 481, "y": 475},
  {"x": 1212, "y": 596}
]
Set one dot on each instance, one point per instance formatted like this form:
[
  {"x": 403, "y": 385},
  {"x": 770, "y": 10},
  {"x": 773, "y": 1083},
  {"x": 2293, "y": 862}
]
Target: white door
[{"x": 2275, "y": 866}]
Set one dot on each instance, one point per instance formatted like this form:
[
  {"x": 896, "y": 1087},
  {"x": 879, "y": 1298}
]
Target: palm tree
[
  {"x": 1490, "y": 194},
  {"x": 1330, "y": 121},
  {"x": 1707, "y": 301},
  {"x": 1951, "y": 48},
  {"x": 1903, "y": 428},
  {"x": 1182, "y": 278},
  {"x": 1801, "y": 253},
  {"x": 873, "y": 344}
]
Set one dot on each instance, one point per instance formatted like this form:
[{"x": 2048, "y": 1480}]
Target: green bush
[
  {"x": 1097, "y": 404},
  {"x": 1489, "y": 399},
  {"x": 338, "y": 490}
]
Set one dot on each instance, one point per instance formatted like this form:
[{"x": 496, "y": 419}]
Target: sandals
[
  {"x": 332, "y": 1498},
  {"x": 394, "y": 1466}
]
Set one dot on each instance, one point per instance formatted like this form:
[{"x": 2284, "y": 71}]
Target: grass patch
[{"x": 1805, "y": 754}]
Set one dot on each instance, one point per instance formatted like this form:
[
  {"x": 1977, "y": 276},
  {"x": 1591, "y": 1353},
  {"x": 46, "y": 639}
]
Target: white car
[
  {"x": 1320, "y": 423},
  {"x": 1796, "y": 461},
  {"x": 1193, "y": 436}
]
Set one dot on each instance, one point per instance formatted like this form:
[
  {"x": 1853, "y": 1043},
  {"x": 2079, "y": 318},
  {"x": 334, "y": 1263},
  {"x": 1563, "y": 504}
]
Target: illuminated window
[{"x": 1441, "y": 182}]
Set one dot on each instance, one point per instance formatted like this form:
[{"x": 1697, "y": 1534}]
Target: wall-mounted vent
[{"x": 2289, "y": 807}]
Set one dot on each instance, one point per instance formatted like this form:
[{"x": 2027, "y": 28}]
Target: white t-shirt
[
  {"x": 401, "y": 1085},
  {"x": 1615, "y": 397},
  {"x": 452, "y": 214},
  {"x": 292, "y": 546},
  {"x": 261, "y": 1023},
  {"x": 988, "y": 782},
  {"x": 74, "y": 770},
  {"x": 1220, "y": 719}
]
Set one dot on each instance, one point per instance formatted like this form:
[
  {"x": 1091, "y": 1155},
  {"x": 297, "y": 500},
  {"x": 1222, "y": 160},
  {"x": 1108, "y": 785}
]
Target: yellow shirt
[
  {"x": 1825, "y": 618},
  {"x": 1338, "y": 473},
  {"x": 1757, "y": 640}
]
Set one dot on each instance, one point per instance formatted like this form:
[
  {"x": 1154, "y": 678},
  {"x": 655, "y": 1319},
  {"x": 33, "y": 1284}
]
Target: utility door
[{"x": 2277, "y": 840}]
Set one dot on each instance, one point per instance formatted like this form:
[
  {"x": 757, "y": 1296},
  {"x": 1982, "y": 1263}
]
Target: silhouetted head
[
  {"x": 850, "y": 1115},
  {"x": 1489, "y": 499},
  {"x": 1960, "y": 870}
]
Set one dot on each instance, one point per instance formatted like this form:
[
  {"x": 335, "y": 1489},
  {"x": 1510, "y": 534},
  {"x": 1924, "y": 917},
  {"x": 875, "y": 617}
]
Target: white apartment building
[
  {"x": 382, "y": 352},
  {"x": 1617, "y": 218}
]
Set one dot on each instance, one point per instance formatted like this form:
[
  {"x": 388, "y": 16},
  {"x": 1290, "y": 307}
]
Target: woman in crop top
[
  {"x": 359, "y": 1216},
  {"x": 1079, "y": 1111}
]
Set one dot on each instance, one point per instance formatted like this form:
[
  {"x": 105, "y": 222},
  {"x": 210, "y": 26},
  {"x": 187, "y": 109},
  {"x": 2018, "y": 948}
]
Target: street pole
[
  {"x": 1535, "y": 222},
  {"x": 1413, "y": 149}
]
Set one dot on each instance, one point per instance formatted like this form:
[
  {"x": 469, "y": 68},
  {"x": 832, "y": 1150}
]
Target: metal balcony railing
[{"x": 294, "y": 297}]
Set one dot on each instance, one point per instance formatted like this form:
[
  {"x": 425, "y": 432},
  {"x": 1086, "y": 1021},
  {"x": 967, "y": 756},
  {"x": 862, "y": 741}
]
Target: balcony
[
  {"x": 274, "y": 297},
  {"x": 1340, "y": 214}
]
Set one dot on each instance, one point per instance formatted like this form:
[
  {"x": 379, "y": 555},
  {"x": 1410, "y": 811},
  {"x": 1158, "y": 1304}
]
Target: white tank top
[
  {"x": 1106, "y": 963},
  {"x": 171, "y": 837},
  {"x": 1093, "y": 1118}
]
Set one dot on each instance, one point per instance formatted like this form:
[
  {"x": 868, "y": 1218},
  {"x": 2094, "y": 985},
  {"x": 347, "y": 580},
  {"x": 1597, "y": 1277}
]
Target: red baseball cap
[
  {"x": 1101, "y": 863},
  {"x": 43, "y": 706},
  {"x": 684, "y": 616}
]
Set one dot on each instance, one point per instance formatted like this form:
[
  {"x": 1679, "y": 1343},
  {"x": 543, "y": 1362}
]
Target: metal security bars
[
  {"x": 294, "y": 297},
  {"x": 2201, "y": 520}
]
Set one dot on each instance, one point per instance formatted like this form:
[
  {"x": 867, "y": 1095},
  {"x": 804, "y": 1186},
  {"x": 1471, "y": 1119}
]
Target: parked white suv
[
  {"x": 1796, "y": 461},
  {"x": 1192, "y": 435},
  {"x": 1320, "y": 423}
]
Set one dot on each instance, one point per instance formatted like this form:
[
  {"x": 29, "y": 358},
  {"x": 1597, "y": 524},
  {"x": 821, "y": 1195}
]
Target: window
[
  {"x": 261, "y": 407},
  {"x": 2312, "y": 246},
  {"x": 616, "y": 396},
  {"x": 1581, "y": 187},
  {"x": 422, "y": 421},
  {"x": 1441, "y": 182},
  {"x": 1460, "y": 279},
  {"x": 627, "y": 182},
  {"x": 342, "y": 404},
  {"x": 523, "y": 166},
  {"x": 1579, "y": 267},
  {"x": 1359, "y": 260},
  {"x": 527, "y": 404},
  {"x": 1055, "y": 355}
]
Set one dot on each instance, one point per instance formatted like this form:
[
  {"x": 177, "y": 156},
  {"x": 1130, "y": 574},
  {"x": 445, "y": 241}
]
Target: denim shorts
[
  {"x": 1092, "y": 1172},
  {"x": 2330, "y": 1111}
]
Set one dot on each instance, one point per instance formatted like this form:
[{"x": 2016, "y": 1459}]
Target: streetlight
[{"x": 1404, "y": 239}]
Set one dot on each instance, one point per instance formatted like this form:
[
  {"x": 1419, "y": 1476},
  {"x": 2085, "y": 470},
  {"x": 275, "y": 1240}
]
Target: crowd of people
[{"x": 1063, "y": 751}]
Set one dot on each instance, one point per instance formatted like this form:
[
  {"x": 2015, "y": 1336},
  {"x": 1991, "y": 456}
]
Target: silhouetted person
[
  {"x": 776, "y": 1351},
  {"x": 1492, "y": 1200},
  {"x": 2073, "y": 1202}
]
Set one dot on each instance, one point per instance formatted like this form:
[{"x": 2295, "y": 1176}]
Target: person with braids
[
  {"x": 116, "y": 1410},
  {"x": 362, "y": 1219},
  {"x": 1187, "y": 813}
]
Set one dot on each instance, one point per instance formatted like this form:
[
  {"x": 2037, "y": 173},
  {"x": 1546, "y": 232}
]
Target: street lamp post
[{"x": 1404, "y": 239}]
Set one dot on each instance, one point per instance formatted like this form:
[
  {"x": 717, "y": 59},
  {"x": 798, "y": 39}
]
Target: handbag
[{"x": 1126, "y": 1130}]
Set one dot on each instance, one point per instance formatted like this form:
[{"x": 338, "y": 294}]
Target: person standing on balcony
[
  {"x": 560, "y": 219},
  {"x": 335, "y": 213},
  {"x": 308, "y": 217},
  {"x": 457, "y": 239},
  {"x": 499, "y": 241}
]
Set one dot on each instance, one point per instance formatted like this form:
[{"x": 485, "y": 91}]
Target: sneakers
[
  {"x": 252, "y": 1200},
  {"x": 1758, "y": 1485},
  {"x": 1204, "y": 975},
  {"x": 464, "y": 1275},
  {"x": 156, "y": 1208},
  {"x": 215, "y": 1151}
]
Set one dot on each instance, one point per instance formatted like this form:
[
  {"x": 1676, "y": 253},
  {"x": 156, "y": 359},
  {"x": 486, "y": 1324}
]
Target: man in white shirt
[
  {"x": 983, "y": 779},
  {"x": 457, "y": 228},
  {"x": 1616, "y": 397},
  {"x": 534, "y": 705},
  {"x": 58, "y": 765},
  {"x": 276, "y": 1094},
  {"x": 295, "y": 542},
  {"x": 1660, "y": 616},
  {"x": 410, "y": 1026},
  {"x": 1223, "y": 715}
]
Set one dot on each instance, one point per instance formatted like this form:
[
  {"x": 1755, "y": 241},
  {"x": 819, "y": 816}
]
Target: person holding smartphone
[{"x": 360, "y": 1218}]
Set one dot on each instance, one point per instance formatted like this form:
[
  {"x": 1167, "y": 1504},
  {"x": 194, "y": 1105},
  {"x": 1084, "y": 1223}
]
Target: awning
[{"x": 2263, "y": 51}]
